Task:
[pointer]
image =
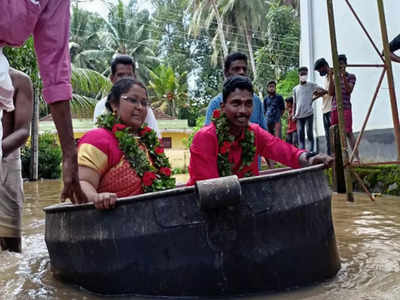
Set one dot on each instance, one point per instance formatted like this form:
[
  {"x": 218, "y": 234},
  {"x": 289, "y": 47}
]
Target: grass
[{"x": 383, "y": 179}]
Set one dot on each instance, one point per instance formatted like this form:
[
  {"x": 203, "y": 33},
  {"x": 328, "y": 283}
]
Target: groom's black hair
[{"x": 236, "y": 82}]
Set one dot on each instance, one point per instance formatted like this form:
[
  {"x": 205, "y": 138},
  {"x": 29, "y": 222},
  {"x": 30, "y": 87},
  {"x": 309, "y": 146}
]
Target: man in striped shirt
[{"x": 347, "y": 82}]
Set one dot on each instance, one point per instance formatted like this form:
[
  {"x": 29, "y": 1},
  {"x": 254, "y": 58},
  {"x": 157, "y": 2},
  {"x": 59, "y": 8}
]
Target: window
[{"x": 166, "y": 142}]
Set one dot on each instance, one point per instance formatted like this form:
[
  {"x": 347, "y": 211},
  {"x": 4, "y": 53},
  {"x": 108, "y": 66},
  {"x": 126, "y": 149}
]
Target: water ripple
[{"x": 368, "y": 238}]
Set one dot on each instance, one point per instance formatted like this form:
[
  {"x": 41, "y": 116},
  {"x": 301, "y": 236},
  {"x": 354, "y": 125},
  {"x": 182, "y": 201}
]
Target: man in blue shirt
[
  {"x": 274, "y": 108},
  {"x": 236, "y": 64}
]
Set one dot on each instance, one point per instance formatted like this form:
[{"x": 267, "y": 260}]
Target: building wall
[
  {"x": 178, "y": 155},
  {"x": 315, "y": 43},
  {"x": 178, "y": 158},
  {"x": 177, "y": 139}
]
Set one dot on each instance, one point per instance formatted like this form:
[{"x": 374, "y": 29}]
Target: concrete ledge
[{"x": 376, "y": 145}]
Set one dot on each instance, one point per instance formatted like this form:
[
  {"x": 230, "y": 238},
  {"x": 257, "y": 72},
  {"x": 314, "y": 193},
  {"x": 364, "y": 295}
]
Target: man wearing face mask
[
  {"x": 322, "y": 67},
  {"x": 302, "y": 108}
]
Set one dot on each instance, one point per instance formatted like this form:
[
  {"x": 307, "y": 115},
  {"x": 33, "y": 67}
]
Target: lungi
[{"x": 11, "y": 196}]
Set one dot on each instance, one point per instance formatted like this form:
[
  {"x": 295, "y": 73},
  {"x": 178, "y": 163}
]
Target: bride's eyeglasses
[{"x": 135, "y": 102}]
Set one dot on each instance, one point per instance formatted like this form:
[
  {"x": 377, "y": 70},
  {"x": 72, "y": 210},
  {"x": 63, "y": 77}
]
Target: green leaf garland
[
  {"x": 225, "y": 141},
  {"x": 155, "y": 176}
]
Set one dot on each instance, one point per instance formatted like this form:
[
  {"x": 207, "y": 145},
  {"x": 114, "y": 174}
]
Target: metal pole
[
  {"x": 339, "y": 102},
  {"x": 365, "y": 66},
  {"x": 388, "y": 64},
  {"x": 35, "y": 136}
]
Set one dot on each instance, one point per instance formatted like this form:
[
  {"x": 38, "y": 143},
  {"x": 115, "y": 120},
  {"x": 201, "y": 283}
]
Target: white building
[{"x": 378, "y": 143}]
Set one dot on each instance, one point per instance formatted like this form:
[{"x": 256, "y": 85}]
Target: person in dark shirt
[
  {"x": 394, "y": 46},
  {"x": 274, "y": 107}
]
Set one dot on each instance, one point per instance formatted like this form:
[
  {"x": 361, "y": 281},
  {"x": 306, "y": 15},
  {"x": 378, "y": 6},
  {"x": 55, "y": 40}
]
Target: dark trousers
[
  {"x": 271, "y": 128},
  {"x": 291, "y": 138},
  {"x": 327, "y": 125},
  {"x": 303, "y": 125}
]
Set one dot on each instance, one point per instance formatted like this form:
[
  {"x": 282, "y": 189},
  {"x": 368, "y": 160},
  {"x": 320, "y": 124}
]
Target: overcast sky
[{"x": 99, "y": 6}]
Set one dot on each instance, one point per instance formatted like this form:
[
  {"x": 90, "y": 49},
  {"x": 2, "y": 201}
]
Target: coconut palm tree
[
  {"x": 235, "y": 18},
  {"x": 208, "y": 10},
  {"x": 247, "y": 16},
  {"x": 84, "y": 38},
  {"x": 168, "y": 90},
  {"x": 89, "y": 86},
  {"x": 127, "y": 32}
]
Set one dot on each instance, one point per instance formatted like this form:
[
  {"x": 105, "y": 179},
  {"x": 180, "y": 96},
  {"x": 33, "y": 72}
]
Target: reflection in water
[{"x": 368, "y": 237}]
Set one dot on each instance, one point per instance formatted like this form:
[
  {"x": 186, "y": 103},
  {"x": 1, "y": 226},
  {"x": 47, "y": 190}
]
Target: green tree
[
  {"x": 50, "y": 157},
  {"x": 246, "y": 16},
  {"x": 287, "y": 83},
  {"x": 236, "y": 23},
  {"x": 209, "y": 78},
  {"x": 280, "y": 53},
  {"x": 169, "y": 26},
  {"x": 127, "y": 32},
  {"x": 205, "y": 12},
  {"x": 168, "y": 89},
  {"x": 84, "y": 38},
  {"x": 89, "y": 86}
]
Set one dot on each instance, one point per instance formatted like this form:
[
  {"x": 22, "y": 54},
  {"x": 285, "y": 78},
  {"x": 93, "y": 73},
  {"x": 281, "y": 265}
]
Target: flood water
[{"x": 368, "y": 237}]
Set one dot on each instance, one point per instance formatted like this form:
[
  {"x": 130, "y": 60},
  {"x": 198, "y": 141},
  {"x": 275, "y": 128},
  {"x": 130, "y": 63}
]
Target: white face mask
[{"x": 303, "y": 78}]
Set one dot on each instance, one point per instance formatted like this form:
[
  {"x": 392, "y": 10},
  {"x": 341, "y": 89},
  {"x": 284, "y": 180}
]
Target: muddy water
[{"x": 368, "y": 236}]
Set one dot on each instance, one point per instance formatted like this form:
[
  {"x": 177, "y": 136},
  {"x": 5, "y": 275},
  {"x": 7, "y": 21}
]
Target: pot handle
[{"x": 218, "y": 192}]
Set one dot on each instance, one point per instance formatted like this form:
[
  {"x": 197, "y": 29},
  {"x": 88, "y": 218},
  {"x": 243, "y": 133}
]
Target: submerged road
[{"x": 368, "y": 237}]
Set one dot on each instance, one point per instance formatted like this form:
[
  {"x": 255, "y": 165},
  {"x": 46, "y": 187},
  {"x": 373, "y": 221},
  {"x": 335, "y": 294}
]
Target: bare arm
[
  {"x": 89, "y": 180},
  {"x": 318, "y": 92},
  {"x": 22, "y": 115},
  {"x": 51, "y": 36},
  {"x": 331, "y": 89},
  {"x": 61, "y": 114}
]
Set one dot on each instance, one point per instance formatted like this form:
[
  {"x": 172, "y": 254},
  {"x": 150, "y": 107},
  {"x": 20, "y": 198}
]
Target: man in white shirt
[
  {"x": 124, "y": 66},
  {"x": 303, "y": 96},
  {"x": 322, "y": 67}
]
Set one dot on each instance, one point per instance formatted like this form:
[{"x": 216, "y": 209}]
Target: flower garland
[
  {"x": 155, "y": 176},
  {"x": 225, "y": 142}
]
